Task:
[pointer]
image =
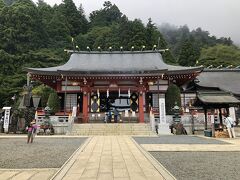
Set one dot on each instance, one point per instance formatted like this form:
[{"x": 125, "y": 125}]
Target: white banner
[
  {"x": 6, "y": 117},
  {"x": 162, "y": 111},
  {"x": 232, "y": 113},
  {"x": 74, "y": 111}
]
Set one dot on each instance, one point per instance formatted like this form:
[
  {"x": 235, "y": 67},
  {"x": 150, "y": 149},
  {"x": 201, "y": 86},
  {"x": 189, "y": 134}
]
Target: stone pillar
[{"x": 163, "y": 126}]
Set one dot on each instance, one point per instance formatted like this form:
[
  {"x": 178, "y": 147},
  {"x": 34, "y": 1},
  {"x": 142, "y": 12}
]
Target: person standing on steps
[
  {"x": 156, "y": 127},
  {"x": 115, "y": 115}
]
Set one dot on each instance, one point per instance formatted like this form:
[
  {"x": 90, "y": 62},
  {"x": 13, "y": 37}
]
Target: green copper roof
[{"x": 142, "y": 62}]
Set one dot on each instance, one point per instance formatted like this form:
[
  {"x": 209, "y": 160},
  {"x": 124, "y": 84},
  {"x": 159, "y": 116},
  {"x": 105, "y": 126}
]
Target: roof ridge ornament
[
  {"x": 88, "y": 48},
  {"x": 154, "y": 47},
  {"x": 121, "y": 48},
  {"x": 141, "y": 80}
]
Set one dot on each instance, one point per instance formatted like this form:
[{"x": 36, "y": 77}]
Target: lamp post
[
  {"x": 28, "y": 102},
  {"x": 47, "y": 124},
  {"x": 177, "y": 121},
  {"x": 176, "y": 110},
  {"x": 47, "y": 110}
]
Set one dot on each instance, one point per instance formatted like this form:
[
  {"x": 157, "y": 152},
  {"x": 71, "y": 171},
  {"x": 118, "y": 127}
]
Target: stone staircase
[{"x": 111, "y": 129}]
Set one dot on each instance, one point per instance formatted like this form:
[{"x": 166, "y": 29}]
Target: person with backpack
[
  {"x": 31, "y": 130},
  {"x": 229, "y": 122}
]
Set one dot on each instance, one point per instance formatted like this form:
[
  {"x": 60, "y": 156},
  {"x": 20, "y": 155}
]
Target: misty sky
[{"x": 219, "y": 17}]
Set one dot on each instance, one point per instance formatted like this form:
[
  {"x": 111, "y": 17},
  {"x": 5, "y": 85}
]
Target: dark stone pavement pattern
[
  {"x": 181, "y": 139},
  {"x": 45, "y": 152},
  {"x": 201, "y": 165},
  {"x": 195, "y": 165}
]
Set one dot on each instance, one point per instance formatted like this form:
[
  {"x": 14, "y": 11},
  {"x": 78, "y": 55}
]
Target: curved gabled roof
[
  {"x": 143, "y": 62},
  {"x": 181, "y": 69},
  {"x": 224, "y": 79}
]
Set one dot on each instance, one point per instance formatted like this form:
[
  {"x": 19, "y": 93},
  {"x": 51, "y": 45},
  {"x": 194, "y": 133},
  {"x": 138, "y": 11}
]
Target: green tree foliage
[
  {"x": 21, "y": 28},
  {"x": 76, "y": 20},
  {"x": 180, "y": 38},
  {"x": 53, "y": 102},
  {"x": 97, "y": 36},
  {"x": 29, "y": 114},
  {"x": 173, "y": 96},
  {"x": 106, "y": 16},
  {"x": 58, "y": 32},
  {"x": 9, "y": 2},
  {"x": 220, "y": 55},
  {"x": 44, "y": 92},
  {"x": 189, "y": 54},
  {"x": 1, "y": 5},
  {"x": 34, "y": 35}
]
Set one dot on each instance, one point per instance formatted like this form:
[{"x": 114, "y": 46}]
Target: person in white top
[{"x": 229, "y": 122}]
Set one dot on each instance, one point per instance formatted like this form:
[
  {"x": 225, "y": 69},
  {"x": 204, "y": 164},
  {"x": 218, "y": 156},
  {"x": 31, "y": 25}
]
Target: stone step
[{"x": 111, "y": 129}]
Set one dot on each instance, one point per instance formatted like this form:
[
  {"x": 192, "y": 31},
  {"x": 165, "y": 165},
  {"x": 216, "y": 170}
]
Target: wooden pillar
[
  {"x": 140, "y": 106},
  {"x": 85, "y": 104},
  {"x": 213, "y": 122},
  {"x": 220, "y": 117},
  {"x": 59, "y": 86},
  {"x": 205, "y": 113}
]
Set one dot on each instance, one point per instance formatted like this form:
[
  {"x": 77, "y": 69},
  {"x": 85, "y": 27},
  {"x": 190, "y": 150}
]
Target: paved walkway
[
  {"x": 115, "y": 158},
  {"x": 112, "y": 158},
  {"x": 232, "y": 145},
  {"x": 23, "y": 174}
]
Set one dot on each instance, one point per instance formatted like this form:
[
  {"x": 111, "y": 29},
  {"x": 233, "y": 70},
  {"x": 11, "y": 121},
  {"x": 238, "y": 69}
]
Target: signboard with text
[
  {"x": 6, "y": 117},
  {"x": 162, "y": 110}
]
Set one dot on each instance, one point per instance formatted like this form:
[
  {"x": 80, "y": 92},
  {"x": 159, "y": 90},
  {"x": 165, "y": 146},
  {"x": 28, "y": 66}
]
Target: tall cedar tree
[
  {"x": 106, "y": 16},
  {"x": 189, "y": 54},
  {"x": 21, "y": 28},
  {"x": 77, "y": 22}
]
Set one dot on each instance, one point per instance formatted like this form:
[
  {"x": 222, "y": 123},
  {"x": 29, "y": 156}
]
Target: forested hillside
[
  {"x": 35, "y": 35},
  {"x": 198, "y": 47}
]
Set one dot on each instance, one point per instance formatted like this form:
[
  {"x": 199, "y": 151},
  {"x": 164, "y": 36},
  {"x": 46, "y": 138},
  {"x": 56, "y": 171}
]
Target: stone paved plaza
[
  {"x": 201, "y": 165},
  {"x": 42, "y": 153},
  {"x": 196, "y": 157},
  {"x": 180, "y": 139},
  {"x": 121, "y": 158}
]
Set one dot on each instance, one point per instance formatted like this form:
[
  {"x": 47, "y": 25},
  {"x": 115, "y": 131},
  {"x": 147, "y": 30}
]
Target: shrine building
[{"x": 97, "y": 82}]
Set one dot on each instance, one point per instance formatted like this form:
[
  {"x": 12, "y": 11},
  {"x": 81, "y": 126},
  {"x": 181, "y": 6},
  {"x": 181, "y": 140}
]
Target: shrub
[
  {"x": 53, "y": 102},
  {"x": 173, "y": 95}
]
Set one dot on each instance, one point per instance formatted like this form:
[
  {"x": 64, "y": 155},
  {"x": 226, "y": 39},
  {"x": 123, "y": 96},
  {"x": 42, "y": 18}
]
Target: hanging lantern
[
  {"x": 107, "y": 93},
  {"x": 119, "y": 92},
  {"x": 98, "y": 94}
]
